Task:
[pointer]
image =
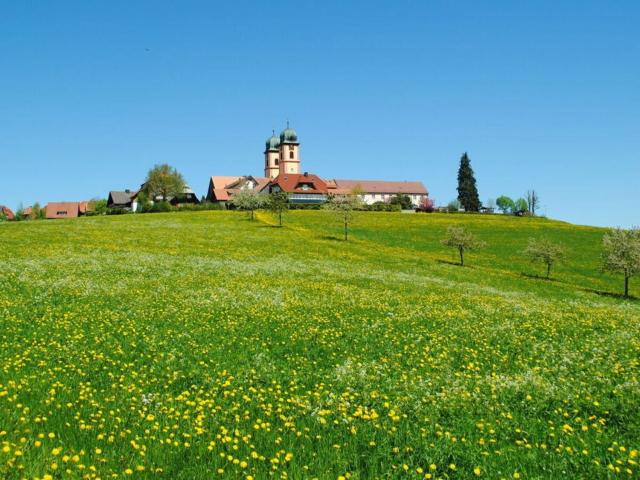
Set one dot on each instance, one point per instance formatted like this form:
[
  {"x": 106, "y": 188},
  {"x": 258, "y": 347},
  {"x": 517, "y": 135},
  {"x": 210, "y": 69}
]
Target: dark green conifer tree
[{"x": 467, "y": 190}]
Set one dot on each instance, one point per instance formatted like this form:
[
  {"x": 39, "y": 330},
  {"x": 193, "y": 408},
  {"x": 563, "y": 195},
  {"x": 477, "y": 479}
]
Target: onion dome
[
  {"x": 288, "y": 135},
  {"x": 273, "y": 143}
]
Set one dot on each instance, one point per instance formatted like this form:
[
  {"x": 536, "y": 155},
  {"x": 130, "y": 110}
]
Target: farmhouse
[
  {"x": 126, "y": 200},
  {"x": 282, "y": 172},
  {"x": 302, "y": 188},
  {"x": 57, "y": 210}
]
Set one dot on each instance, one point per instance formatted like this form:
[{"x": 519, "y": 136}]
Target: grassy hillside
[{"x": 202, "y": 345}]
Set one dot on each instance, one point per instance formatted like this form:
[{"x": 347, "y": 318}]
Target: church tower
[
  {"x": 272, "y": 156},
  {"x": 289, "y": 161}
]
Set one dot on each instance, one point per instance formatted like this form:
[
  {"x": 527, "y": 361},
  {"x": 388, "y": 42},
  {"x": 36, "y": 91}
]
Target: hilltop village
[{"x": 283, "y": 172}]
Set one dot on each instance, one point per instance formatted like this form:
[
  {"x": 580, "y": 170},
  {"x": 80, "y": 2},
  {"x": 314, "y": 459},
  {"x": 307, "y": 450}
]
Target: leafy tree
[
  {"x": 520, "y": 206},
  {"x": 278, "y": 203},
  {"x": 164, "y": 181},
  {"x": 403, "y": 200},
  {"x": 144, "y": 205},
  {"x": 506, "y": 204},
  {"x": 37, "y": 212},
  {"x": 533, "y": 201},
  {"x": 467, "y": 189},
  {"x": 3, "y": 216},
  {"x": 98, "y": 206},
  {"x": 454, "y": 206},
  {"x": 490, "y": 204},
  {"x": 427, "y": 205},
  {"x": 622, "y": 253},
  {"x": 248, "y": 200},
  {"x": 344, "y": 206},
  {"x": 458, "y": 237},
  {"x": 545, "y": 251}
]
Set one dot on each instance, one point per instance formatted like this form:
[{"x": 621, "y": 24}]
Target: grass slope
[{"x": 202, "y": 345}]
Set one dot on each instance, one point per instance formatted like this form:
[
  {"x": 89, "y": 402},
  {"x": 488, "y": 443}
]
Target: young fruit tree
[
  {"x": 458, "y": 237},
  {"x": 621, "y": 253},
  {"x": 344, "y": 206},
  {"x": 164, "y": 181},
  {"x": 249, "y": 201},
  {"x": 278, "y": 203},
  {"x": 545, "y": 251}
]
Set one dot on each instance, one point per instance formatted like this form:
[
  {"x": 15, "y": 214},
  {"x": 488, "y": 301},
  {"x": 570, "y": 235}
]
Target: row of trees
[
  {"x": 469, "y": 199},
  {"x": 620, "y": 250},
  {"x": 278, "y": 202},
  {"x": 530, "y": 204}
]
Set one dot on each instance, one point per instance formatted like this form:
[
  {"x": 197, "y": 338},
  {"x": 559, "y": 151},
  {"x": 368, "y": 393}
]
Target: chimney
[{"x": 306, "y": 174}]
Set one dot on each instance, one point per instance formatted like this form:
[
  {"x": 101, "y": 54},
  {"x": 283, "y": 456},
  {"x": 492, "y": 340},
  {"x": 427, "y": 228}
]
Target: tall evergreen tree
[{"x": 467, "y": 190}]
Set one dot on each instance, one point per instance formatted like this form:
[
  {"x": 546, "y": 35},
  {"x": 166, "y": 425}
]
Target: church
[{"x": 282, "y": 173}]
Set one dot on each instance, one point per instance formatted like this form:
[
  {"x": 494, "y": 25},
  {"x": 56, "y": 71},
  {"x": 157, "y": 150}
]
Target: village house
[
  {"x": 282, "y": 172},
  {"x": 302, "y": 188},
  {"x": 58, "y": 210},
  {"x": 128, "y": 199},
  {"x": 7, "y": 212}
]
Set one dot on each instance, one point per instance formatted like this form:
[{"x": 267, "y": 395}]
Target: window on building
[
  {"x": 276, "y": 161},
  {"x": 291, "y": 154},
  {"x": 62, "y": 212}
]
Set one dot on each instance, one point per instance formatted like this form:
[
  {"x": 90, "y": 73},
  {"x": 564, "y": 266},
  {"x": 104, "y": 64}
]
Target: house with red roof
[
  {"x": 58, "y": 210},
  {"x": 7, "y": 213},
  {"x": 301, "y": 187}
]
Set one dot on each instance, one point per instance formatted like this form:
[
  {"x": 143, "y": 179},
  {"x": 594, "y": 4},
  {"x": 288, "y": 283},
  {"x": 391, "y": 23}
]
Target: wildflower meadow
[{"x": 204, "y": 345}]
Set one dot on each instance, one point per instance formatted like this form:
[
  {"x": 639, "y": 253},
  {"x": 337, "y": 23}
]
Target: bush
[
  {"x": 160, "y": 207},
  {"x": 426, "y": 205},
  {"x": 454, "y": 206},
  {"x": 116, "y": 211},
  {"x": 403, "y": 200},
  {"x": 305, "y": 206},
  {"x": 197, "y": 207}
]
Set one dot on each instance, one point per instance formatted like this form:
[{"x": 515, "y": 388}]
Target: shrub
[
  {"x": 159, "y": 207},
  {"x": 454, "y": 206},
  {"x": 403, "y": 200},
  {"x": 426, "y": 205}
]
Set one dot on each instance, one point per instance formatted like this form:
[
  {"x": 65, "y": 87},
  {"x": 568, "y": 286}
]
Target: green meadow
[{"x": 204, "y": 345}]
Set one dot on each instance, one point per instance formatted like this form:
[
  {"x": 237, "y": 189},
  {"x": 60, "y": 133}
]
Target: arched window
[
  {"x": 276, "y": 162},
  {"x": 291, "y": 154}
]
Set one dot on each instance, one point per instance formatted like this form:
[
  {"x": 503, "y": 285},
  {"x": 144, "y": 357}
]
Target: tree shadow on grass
[
  {"x": 535, "y": 276},
  {"x": 332, "y": 238},
  {"x": 448, "y": 262},
  {"x": 269, "y": 226},
  {"x": 604, "y": 293}
]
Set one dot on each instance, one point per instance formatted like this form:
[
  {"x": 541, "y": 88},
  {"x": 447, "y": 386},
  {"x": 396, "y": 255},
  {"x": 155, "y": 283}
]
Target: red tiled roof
[
  {"x": 291, "y": 183},
  {"x": 378, "y": 186},
  {"x": 56, "y": 209},
  {"x": 221, "y": 194},
  {"x": 225, "y": 186},
  {"x": 221, "y": 182},
  {"x": 7, "y": 212}
]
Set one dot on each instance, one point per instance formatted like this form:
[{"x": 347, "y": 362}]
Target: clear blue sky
[{"x": 542, "y": 94}]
